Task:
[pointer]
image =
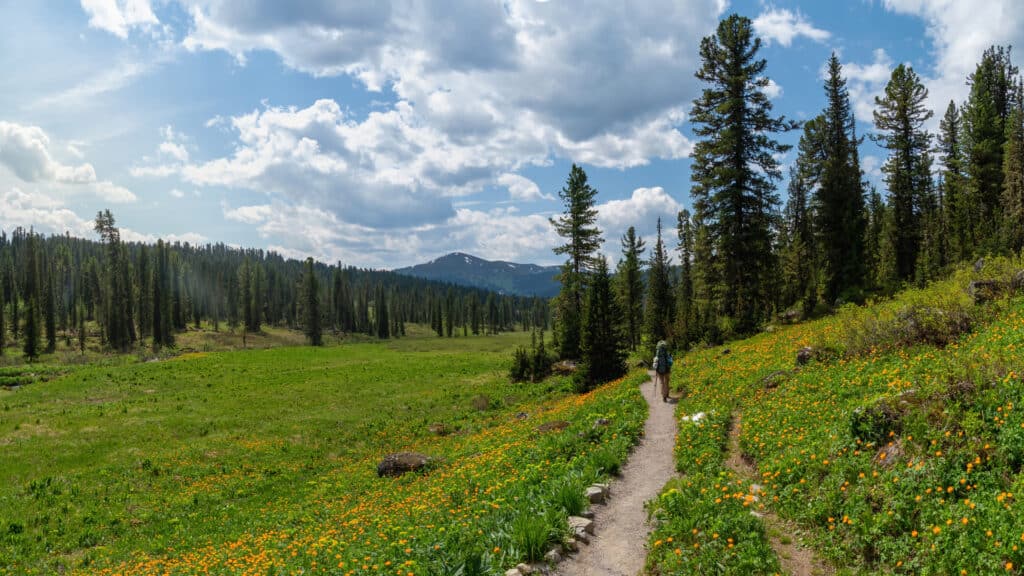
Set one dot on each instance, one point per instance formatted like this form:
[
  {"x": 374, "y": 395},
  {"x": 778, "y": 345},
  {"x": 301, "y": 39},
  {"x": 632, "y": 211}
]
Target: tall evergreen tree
[
  {"x": 954, "y": 186},
  {"x": 839, "y": 199},
  {"x": 658, "y": 316},
  {"x": 602, "y": 346},
  {"x": 144, "y": 297},
  {"x": 900, "y": 116},
  {"x": 1013, "y": 178},
  {"x": 380, "y": 311},
  {"x": 735, "y": 167},
  {"x": 630, "y": 285},
  {"x": 684, "y": 329},
  {"x": 30, "y": 331},
  {"x": 988, "y": 106},
  {"x": 50, "y": 311},
  {"x": 311, "y": 321},
  {"x": 577, "y": 225},
  {"x": 796, "y": 255},
  {"x": 3, "y": 328}
]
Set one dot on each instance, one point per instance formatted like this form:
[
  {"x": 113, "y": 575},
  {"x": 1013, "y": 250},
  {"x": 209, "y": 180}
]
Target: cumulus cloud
[
  {"x": 25, "y": 151},
  {"x": 119, "y": 16},
  {"x": 521, "y": 188},
  {"x": 772, "y": 90},
  {"x": 865, "y": 82},
  {"x": 960, "y": 31},
  {"x": 783, "y": 26}
]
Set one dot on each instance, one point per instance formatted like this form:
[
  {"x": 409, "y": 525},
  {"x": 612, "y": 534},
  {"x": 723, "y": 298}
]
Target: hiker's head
[{"x": 662, "y": 345}]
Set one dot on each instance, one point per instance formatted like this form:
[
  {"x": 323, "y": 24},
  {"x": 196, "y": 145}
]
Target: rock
[
  {"x": 512, "y": 572},
  {"x": 1018, "y": 281},
  {"x": 564, "y": 368},
  {"x": 595, "y": 495},
  {"x": 775, "y": 378},
  {"x": 588, "y": 514},
  {"x": 986, "y": 290},
  {"x": 769, "y": 329},
  {"x": 582, "y": 537},
  {"x": 804, "y": 355},
  {"x": 524, "y": 568},
  {"x": 642, "y": 364},
  {"x": 522, "y": 416},
  {"x": 790, "y": 316},
  {"x": 401, "y": 462},
  {"x": 555, "y": 426},
  {"x": 979, "y": 264},
  {"x": 601, "y": 422},
  {"x": 553, "y": 557},
  {"x": 438, "y": 429},
  {"x": 572, "y": 546},
  {"x": 726, "y": 351},
  {"x": 580, "y": 524},
  {"x": 889, "y": 454}
]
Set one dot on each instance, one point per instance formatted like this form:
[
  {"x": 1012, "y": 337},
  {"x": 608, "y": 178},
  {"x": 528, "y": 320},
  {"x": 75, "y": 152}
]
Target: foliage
[
  {"x": 195, "y": 465},
  {"x": 603, "y": 355}
]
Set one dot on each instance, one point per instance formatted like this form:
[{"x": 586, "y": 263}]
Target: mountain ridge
[{"x": 498, "y": 275}]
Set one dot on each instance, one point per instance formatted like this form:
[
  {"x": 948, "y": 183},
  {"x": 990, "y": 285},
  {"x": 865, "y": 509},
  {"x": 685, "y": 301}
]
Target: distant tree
[
  {"x": 311, "y": 321},
  {"x": 954, "y": 185},
  {"x": 659, "y": 312},
  {"x": 630, "y": 285},
  {"x": 578, "y": 227},
  {"x": 796, "y": 247},
  {"x": 81, "y": 330},
  {"x": 30, "y": 330},
  {"x": 3, "y": 329},
  {"x": 684, "y": 331},
  {"x": 900, "y": 116},
  {"x": 160, "y": 309},
  {"x": 734, "y": 170},
  {"x": 873, "y": 237},
  {"x": 143, "y": 280},
  {"x": 602, "y": 346},
  {"x": 380, "y": 310},
  {"x": 49, "y": 311}
]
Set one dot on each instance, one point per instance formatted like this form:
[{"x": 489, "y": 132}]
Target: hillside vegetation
[
  {"x": 897, "y": 448},
  {"x": 264, "y": 461}
]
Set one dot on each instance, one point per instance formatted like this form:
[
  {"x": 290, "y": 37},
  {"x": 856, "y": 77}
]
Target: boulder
[
  {"x": 564, "y": 368},
  {"x": 1018, "y": 281},
  {"x": 804, "y": 355},
  {"x": 555, "y": 426},
  {"x": 986, "y": 290},
  {"x": 401, "y": 462},
  {"x": 979, "y": 265},
  {"x": 595, "y": 495},
  {"x": 774, "y": 379},
  {"x": 581, "y": 526}
]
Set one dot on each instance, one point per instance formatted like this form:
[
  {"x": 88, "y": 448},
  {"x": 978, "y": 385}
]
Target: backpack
[{"x": 662, "y": 363}]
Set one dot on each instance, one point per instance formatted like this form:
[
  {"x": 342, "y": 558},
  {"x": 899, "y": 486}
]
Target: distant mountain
[{"x": 504, "y": 277}]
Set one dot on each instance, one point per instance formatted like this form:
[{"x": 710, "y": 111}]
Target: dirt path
[
  {"x": 619, "y": 546},
  {"x": 796, "y": 560}
]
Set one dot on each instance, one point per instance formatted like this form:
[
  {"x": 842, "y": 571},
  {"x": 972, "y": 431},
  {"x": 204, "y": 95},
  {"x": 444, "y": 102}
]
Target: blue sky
[{"x": 387, "y": 133}]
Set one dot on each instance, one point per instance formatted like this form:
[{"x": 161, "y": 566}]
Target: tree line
[
  {"x": 130, "y": 294},
  {"x": 745, "y": 259}
]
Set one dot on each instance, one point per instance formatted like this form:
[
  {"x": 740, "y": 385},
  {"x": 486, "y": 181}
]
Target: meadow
[
  {"x": 896, "y": 450},
  {"x": 263, "y": 461}
]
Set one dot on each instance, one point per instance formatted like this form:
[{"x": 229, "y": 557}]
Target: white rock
[
  {"x": 578, "y": 524},
  {"x": 524, "y": 568}
]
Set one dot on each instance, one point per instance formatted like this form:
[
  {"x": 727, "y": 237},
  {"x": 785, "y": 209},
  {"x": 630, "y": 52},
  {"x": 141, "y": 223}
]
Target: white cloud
[
  {"x": 782, "y": 25},
  {"x": 865, "y": 81},
  {"x": 772, "y": 90},
  {"x": 521, "y": 188},
  {"x": 119, "y": 16},
  {"x": 641, "y": 209},
  {"x": 177, "y": 193},
  {"x": 25, "y": 152},
  {"x": 960, "y": 31}
]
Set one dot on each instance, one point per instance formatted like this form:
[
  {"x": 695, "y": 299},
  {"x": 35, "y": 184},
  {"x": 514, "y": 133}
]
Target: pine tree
[
  {"x": 901, "y": 115},
  {"x": 161, "y": 302},
  {"x": 988, "y": 106},
  {"x": 954, "y": 185},
  {"x": 311, "y": 309},
  {"x": 658, "y": 318},
  {"x": 577, "y": 226},
  {"x": 873, "y": 237},
  {"x": 685, "y": 320},
  {"x": 797, "y": 248},
  {"x": 602, "y": 347},
  {"x": 1013, "y": 178},
  {"x": 380, "y": 310},
  {"x": 81, "y": 330},
  {"x": 3, "y": 328},
  {"x": 143, "y": 280},
  {"x": 30, "y": 330},
  {"x": 630, "y": 285},
  {"x": 734, "y": 168},
  {"x": 50, "y": 312},
  {"x": 839, "y": 198}
]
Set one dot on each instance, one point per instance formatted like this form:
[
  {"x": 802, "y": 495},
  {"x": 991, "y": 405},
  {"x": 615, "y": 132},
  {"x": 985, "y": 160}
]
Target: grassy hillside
[
  {"x": 264, "y": 461},
  {"x": 896, "y": 449}
]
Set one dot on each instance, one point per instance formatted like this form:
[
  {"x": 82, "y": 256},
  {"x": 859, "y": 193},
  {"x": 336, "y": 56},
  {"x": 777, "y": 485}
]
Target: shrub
[{"x": 521, "y": 368}]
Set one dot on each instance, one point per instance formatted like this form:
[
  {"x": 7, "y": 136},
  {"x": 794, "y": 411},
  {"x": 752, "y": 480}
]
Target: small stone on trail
[
  {"x": 512, "y": 572},
  {"x": 580, "y": 524},
  {"x": 553, "y": 557},
  {"x": 572, "y": 546},
  {"x": 524, "y": 568},
  {"x": 588, "y": 513},
  {"x": 595, "y": 495}
]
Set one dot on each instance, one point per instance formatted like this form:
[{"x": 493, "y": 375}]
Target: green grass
[
  {"x": 204, "y": 459},
  {"x": 899, "y": 450}
]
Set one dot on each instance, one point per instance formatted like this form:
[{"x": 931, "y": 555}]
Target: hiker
[{"x": 662, "y": 367}]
